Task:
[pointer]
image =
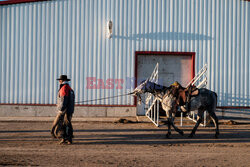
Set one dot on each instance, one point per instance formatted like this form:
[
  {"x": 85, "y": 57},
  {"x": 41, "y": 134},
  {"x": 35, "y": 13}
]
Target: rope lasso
[{"x": 110, "y": 97}]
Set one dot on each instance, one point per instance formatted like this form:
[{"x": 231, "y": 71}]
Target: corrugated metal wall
[{"x": 39, "y": 41}]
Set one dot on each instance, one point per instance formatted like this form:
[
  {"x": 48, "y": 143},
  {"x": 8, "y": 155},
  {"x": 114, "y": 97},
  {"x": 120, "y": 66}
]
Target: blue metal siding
[{"x": 39, "y": 41}]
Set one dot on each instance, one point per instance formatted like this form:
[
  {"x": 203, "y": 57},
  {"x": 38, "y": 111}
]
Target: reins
[{"x": 110, "y": 97}]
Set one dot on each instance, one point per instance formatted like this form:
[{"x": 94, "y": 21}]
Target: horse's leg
[
  {"x": 169, "y": 128},
  {"x": 171, "y": 123},
  {"x": 200, "y": 115},
  {"x": 175, "y": 128},
  {"x": 211, "y": 111},
  {"x": 216, "y": 124},
  {"x": 168, "y": 114}
]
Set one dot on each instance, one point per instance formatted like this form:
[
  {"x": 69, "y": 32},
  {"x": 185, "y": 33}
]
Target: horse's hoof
[
  {"x": 181, "y": 133},
  {"x": 217, "y": 135},
  {"x": 191, "y": 135},
  {"x": 168, "y": 135}
]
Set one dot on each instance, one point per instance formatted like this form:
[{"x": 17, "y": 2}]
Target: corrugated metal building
[{"x": 41, "y": 40}]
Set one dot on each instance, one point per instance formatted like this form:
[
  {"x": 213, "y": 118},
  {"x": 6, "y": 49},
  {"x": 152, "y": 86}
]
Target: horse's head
[
  {"x": 144, "y": 87},
  {"x": 149, "y": 87},
  {"x": 140, "y": 89}
]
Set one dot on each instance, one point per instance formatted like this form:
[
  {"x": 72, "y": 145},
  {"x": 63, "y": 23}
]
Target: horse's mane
[{"x": 159, "y": 87}]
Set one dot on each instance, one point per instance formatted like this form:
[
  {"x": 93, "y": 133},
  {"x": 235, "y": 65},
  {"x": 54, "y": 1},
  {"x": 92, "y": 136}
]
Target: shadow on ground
[{"x": 133, "y": 136}]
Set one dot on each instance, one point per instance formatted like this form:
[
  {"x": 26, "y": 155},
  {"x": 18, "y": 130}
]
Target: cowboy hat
[{"x": 64, "y": 78}]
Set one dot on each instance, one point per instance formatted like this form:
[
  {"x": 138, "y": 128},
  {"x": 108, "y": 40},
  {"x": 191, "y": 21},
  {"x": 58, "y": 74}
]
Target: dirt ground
[{"x": 117, "y": 144}]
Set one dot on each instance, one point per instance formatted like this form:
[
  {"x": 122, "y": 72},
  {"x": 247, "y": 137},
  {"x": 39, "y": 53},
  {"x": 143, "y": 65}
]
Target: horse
[{"x": 205, "y": 100}]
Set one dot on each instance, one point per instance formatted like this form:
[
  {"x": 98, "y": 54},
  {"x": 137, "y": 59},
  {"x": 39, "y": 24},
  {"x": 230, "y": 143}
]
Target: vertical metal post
[
  {"x": 154, "y": 112},
  {"x": 181, "y": 118},
  {"x": 151, "y": 113},
  {"x": 205, "y": 118},
  {"x": 157, "y": 102}
]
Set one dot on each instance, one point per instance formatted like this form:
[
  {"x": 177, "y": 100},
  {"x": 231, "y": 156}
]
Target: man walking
[{"x": 62, "y": 127}]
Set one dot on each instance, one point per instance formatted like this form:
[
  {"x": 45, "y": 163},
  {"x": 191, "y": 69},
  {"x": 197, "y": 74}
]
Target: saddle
[
  {"x": 184, "y": 94},
  {"x": 192, "y": 90}
]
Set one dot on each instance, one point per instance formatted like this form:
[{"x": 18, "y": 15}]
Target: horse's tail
[{"x": 216, "y": 97}]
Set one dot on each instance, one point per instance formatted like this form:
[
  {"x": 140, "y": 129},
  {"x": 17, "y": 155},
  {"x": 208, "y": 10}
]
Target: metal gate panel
[{"x": 151, "y": 103}]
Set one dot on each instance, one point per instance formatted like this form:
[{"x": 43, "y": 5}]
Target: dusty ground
[{"x": 131, "y": 144}]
